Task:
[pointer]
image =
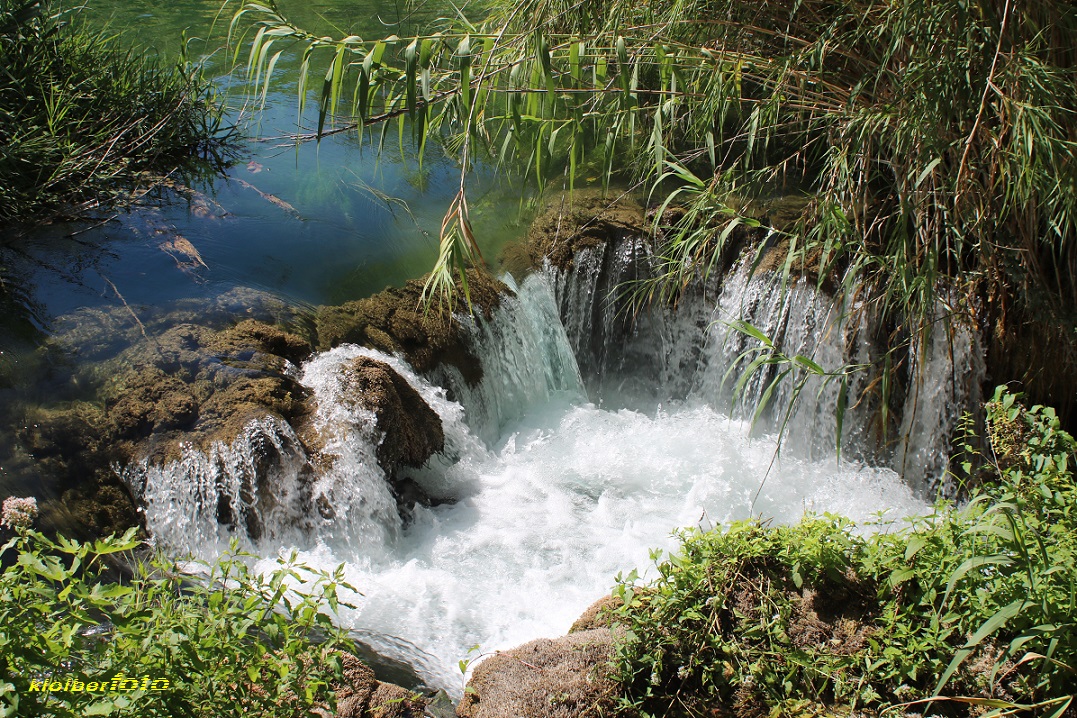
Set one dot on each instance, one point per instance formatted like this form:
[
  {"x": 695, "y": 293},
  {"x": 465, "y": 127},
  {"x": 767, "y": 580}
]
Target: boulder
[
  {"x": 395, "y": 321},
  {"x": 362, "y": 695},
  {"x": 561, "y": 678},
  {"x": 411, "y": 430},
  {"x": 570, "y": 224}
]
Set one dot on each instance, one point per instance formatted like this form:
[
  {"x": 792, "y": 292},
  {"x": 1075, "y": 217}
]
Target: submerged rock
[{"x": 68, "y": 453}]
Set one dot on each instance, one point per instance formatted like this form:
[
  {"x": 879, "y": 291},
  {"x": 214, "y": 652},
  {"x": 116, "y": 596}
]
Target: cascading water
[
  {"x": 693, "y": 353},
  {"x": 549, "y": 496}
]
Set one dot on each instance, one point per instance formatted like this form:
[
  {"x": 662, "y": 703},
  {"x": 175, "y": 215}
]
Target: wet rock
[
  {"x": 395, "y": 321},
  {"x": 200, "y": 372},
  {"x": 66, "y": 450},
  {"x": 569, "y": 225},
  {"x": 412, "y": 430},
  {"x": 561, "y": 678},
  {"x": 362, "y": 695}
]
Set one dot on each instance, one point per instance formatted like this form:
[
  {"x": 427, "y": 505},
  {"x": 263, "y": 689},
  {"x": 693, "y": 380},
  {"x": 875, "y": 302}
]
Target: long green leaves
[
  {"x": 80, "y": 116},
  {"x": 932, "y": 138}
]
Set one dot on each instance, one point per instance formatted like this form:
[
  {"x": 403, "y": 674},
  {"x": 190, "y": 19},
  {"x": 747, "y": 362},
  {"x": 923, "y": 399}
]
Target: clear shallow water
[{"x": 343, "y": 241}]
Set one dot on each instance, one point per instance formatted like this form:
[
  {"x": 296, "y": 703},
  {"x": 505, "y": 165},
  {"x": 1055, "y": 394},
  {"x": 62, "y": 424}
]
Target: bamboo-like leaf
[
  {"x": 411, "y": 60},
  {"x": 968, "y": 565},
  {"x": 764, "y": 400},
  {"x": 995, "y": 622},
  {"x": 463, "y": 53},
  {"x": 269, "y": 72}
]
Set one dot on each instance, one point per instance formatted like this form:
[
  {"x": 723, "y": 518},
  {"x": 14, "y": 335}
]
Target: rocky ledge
[
  {"x": 149, "y": 385},
  {"x": 565, "y": 677}
]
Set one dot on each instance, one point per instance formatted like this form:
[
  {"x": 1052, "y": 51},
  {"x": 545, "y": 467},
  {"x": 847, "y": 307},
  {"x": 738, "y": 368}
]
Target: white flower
[{"x": 18, "y": 512}]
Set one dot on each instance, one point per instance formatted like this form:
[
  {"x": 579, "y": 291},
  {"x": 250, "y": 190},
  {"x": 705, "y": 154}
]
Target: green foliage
[
  {"x": 969, "y": 608},
  {"x": 928, "y": 139},
  {"x": 80, "y": 115},
  {"x": 230, "y": 642}
]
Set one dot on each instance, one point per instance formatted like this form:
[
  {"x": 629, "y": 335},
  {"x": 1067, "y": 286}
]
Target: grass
[
  {"x": 969, "y": 610},
  {"x": 81, "y": 115}
]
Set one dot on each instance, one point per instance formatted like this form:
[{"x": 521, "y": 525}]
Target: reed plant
[
  {"x": 81, "y": 114},
  {"x": 926, "y": 140}
]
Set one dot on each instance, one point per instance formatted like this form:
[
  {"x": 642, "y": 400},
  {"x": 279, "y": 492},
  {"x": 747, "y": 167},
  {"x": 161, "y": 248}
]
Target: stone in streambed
[
  {"x": 565, "y": 677},
  {"x": 569, "y": 225},
  {"x": 394, "y": 321},
  {"x": 362, "y": 695},
  {"x": 412, "y": 431}
]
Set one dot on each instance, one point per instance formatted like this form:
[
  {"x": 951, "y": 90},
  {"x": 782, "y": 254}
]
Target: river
[{"x": 551, "y": 483}]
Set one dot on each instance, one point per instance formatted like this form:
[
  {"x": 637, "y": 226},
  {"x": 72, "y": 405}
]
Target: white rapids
[{"x": 550, "y": 496}]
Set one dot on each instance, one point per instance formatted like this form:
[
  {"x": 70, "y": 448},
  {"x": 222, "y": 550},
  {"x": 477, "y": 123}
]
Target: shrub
[
  {"x": 968, "y": 607},
  {"x": 230, "y": 642}
]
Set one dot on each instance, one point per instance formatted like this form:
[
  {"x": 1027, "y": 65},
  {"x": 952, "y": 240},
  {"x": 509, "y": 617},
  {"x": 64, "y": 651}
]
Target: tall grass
[{"x": 80, "y": 114}]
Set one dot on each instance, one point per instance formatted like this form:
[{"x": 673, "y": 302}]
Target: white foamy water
[
  {"x": 551, "y": 496},
  {"x": 575, "y": 495}
]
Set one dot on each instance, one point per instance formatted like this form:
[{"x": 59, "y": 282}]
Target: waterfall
[
  {"x": 525, "y": 357},
  {"x": 691, "y": 352},
  {"x": 948, "y": 371},
  {"x": 547, "y": 487},
  {"x": 252, "y": 487}
]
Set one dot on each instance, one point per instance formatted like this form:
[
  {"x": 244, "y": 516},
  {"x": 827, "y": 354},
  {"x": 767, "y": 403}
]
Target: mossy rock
[
  {"x": 567, "y": 677},
  {"x": 395, "y": 321},
  {"x": 571, "y": 223},
  {"x": 361, "y": 695},
  {"x": 412, "y": 430}
]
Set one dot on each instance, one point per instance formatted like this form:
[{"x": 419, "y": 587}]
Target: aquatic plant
[
  {"x": 970, "y": 608},
  {"x": 81, "y": 115}
]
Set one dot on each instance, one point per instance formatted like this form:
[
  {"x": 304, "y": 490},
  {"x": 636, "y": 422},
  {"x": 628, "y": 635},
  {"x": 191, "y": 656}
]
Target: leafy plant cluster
[
  {"x": 971, "y": 609},
  {"x": 229, "y": 641},
  {"x": 80, "y": 115}
]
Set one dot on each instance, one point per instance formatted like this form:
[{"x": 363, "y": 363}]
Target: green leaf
[
  {"x": 989, "y": 626},
  {"x": 927, "y": 170},
  {"x": 969, "y": 564}
]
